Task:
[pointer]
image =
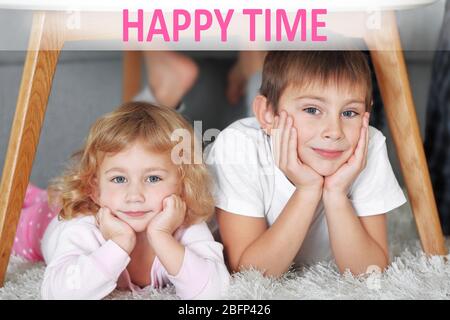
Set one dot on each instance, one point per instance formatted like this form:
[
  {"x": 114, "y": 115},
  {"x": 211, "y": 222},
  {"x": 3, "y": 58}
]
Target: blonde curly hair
[{"x": 112, "y": 133}]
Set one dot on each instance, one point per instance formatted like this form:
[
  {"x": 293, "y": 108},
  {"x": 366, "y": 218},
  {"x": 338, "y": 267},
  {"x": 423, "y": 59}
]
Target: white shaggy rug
[{"x": 411, "y": 276}]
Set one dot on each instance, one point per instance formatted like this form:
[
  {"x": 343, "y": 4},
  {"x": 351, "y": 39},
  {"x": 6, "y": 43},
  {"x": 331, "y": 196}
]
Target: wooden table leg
[
  {"x": 37, "y": 77},
  {"x": 390, "y": 69},
  {"x": 131, "y": 74}
]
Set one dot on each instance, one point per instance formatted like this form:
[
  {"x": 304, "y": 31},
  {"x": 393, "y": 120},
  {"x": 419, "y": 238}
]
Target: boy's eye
[
  {"x": 349, "y": 114},
  {"x": 311, "y": 110},
  {"x": 153, "y": 179},
  {"x": 119, "y": 179}
]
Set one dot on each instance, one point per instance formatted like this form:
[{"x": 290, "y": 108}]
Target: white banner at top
[
  {"x": 219, "y": 25},
  {"x": 170, "y": 5}
]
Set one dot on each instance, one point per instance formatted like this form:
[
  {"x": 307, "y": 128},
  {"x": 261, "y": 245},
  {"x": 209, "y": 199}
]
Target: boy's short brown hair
[{"x": 301, "y": 68}]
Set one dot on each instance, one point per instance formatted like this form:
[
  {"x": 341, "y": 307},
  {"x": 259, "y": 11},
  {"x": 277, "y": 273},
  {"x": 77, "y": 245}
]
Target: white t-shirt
[{"x": 247, "y": 182}]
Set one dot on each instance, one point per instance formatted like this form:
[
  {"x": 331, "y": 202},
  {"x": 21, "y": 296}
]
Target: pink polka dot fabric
[{"x": 34, "y": 219}]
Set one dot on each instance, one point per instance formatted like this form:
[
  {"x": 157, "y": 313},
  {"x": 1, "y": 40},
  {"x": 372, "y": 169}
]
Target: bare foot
[
  {"x": 248, "y": 63},
  {"x": 170, "y": 75}
]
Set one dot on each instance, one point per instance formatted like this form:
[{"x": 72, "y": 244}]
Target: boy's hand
[
  {"x": 284, "y": 137},
  {"x": 342, "y": 179},
  {"x": 115, "y": 229},
  {"x": 170, "y": 218}
]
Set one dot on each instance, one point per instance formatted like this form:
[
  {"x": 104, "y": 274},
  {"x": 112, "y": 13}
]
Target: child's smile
[
  {"x": 135, "y": 214},
  {"x": 329, "y": 154}
]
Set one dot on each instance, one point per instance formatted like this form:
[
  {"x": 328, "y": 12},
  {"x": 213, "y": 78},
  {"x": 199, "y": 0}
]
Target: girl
[{"x": 130, "y": 216}]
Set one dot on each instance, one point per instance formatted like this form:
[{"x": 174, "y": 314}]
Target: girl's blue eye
[
  {"x": 311, "y": 110},
  {"x": 119, "y": 179},
  {"x": 349, "y": 114},
  {"x": 154, "y": 179}
]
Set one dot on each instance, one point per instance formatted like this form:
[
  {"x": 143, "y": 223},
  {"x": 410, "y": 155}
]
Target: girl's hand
[
  {"x": 170, "y": 218},
  {"x": 115, "y": 229},
  {"x": 342, "y": 179},
  {"x": 284, "y": 137}
]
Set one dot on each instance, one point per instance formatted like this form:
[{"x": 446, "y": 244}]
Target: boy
[{"x": 306, "y": 179}]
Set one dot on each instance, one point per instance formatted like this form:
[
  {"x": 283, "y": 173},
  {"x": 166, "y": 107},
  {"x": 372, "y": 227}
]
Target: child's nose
[
  {"x": 332, "y": 130},
  {"x": 135, "y": 193}
]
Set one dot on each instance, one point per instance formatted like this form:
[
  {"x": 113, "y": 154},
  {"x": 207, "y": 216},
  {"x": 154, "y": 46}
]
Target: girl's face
[
  {"x": 134, "y": 182},
  {"x": 328, "y": 120}
]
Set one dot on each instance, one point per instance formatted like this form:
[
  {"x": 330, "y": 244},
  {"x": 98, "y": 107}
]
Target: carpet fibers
[{"x": 411, "y": 275}]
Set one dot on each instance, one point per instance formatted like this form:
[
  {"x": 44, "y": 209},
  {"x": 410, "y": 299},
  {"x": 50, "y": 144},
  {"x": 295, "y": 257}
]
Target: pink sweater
[{"x": 82, "y": 265}]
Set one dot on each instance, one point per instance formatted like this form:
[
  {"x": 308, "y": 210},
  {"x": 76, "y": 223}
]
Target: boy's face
[
  {"x": 328, "y": 120},
  {"x": 134, "y": 182}
]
